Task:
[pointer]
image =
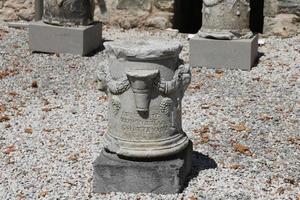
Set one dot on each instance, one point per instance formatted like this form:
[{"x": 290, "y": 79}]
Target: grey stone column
[
  {"x": 145, "y": 82},
  {"x": 225, "y": 19}
]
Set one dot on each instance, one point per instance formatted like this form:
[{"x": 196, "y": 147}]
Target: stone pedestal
[
  {"x": 165, "y": 176},
  {"x": 149, "y": 152},
  {"x": 61, "y": 39},
  {"x": 229, "y": 54}
]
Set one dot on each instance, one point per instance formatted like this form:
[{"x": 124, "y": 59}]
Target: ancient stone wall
[
  {"x": 282, "y": 17},
  {"x": 16, "y": 10},
  {"x": 134, "y": 13},
  {"x": 273, "y": 7},
  {"x": 270, "y": 8},
  {"x": 289, "y": 6},
  {"x": 125, "y": 13}
]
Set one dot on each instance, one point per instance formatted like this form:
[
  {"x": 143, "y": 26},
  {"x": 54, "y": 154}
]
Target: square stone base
[
  {"x": 59, "y": 39},
  {"x": 229, "y": 54},
  {"x": 114, "y": 174}
]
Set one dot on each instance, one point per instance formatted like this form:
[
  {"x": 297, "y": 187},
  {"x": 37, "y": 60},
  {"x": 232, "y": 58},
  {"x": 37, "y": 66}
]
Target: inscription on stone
[{"x": 132, "y": 123}]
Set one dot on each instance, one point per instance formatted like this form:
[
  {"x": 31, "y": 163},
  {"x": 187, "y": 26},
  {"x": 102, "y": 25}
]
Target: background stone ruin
[{"x": 281, "y": 16}]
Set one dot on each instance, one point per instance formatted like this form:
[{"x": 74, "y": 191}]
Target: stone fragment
[
  {"x": 26, "y": 14},
  {"x": 145, "y": 82},
  {"x": 128, "y": 22},
  {"x": 289, "y": 7},
  {"x": 69, "y": 12},
  {"x": 38, "y": 9}
]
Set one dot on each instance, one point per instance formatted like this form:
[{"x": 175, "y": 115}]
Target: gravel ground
[{"x": 52, "y": 119}]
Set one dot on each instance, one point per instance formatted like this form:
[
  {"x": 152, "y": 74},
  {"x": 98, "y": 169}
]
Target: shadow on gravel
[
  {"x": 200, "y": 162},
  {"x": 93, "y": 53},
  {"x": 101, "y": 48},
  {"x": 259, "y": 55}
]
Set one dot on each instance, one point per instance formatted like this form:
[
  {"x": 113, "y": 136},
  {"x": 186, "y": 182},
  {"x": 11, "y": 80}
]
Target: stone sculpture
[
  {"x": 67, "y": 26},
  {"x": 225, "y": 39},
  {"x": 145, "y": 83},
  {"x": 69, "y": 12},
  {"x": 226, "y": 19}
]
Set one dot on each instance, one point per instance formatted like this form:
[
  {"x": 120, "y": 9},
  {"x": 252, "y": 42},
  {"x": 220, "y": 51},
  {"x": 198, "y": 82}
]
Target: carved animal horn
[{"x": 142, "y": 84}]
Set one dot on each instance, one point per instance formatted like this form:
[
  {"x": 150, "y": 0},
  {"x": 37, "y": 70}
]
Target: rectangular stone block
[
  {"x": 114, "y": 174},
  {"x": 229, "y": 54},
  {"x": 80, "y": 40}
]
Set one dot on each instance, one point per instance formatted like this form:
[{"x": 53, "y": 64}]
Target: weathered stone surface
[
  {"x": 145, "y": 82},
  {"x": 134, "y": 13},
  {"x": 68, "y": 12},
  {"x": 127, "y": 21},
  {"x": 164, "y": 5},
  {"x": 16, "y": 9},
  {"x": 114, "y": 174},
  {"x": 270, "y": 8},
  {"x": 148, "y": 151},
  {"x": 289, "y": 6},
  {"x": 143, "y": 49},
  {"x": 160, "y": 20},
  {"x": 124, "y": 13},
  {"x": 58, "y": 39},
  {"x": 134, "y": 4},
  {"x": 230, "y": 54},
  {"x": 38, "y": 10},
  {"x": 283, "y": 25},
  {"x": 225, "y": 19}
]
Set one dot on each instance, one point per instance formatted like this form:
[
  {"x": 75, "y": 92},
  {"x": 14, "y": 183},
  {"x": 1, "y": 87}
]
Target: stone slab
[
  {"x": 80, "y": 40},
  {"x": 115, "y": 174},
  {"x": 229, "y": 54}
]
